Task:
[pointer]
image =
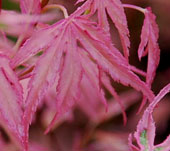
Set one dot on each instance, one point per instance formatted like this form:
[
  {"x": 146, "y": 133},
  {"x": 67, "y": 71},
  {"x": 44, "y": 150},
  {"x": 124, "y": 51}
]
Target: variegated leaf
[{"x": 145, "y": 133}]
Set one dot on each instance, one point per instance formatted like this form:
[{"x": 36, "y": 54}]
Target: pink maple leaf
[
  {"x": 145, "y": 133},
  {"x": 149, "y": 38},
  {"x": 11, "y": 102},
  {"x": 62, "y": 58},
  {"x": 115, "y": 10},
  {"x": 148, "y": 45}
]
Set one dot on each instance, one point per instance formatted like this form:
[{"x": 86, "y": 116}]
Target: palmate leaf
[
  {"x": 145, "y": 133},
  {"x": 107, "y": 84},
  {"x": 92, "y": 75},
  {"x": 63, "y": 60},
  {"x": 108, "y": 61},
  {"x": 50, "y": 110},
  {"x": 70, "y": 77},
  {"x": 95, "y": 77},
  {"x": 38, "y": 42},
  {"x": 11, "y": 102},
  {"x": 115, "y": 10},
  {"x": 43, "y": 77},
  {"x": 45, "y": 74},
  {"x": 148, "y": 44}
]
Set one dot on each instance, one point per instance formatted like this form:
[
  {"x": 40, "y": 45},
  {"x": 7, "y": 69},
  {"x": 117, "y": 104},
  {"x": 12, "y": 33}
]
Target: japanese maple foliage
[
  {"x": 11, "y": 101},
  {"x": 145, "y": 133},
  {"x": 71, "y": 63},
  {"x": 115, "y": 10}
]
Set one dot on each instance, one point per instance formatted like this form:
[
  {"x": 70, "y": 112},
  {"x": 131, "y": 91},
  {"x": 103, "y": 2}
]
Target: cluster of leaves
[{"x": 71, "y": 63}]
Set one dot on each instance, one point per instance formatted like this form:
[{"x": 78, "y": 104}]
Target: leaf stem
[
  {"x": 52, "y": 6},
  {"x": 143, "y": 10}
]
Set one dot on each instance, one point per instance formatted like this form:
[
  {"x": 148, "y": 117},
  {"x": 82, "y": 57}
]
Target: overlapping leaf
[
  {"x": 148, "y": 44},
  {"x": 95, "y": 77},
  {"x": 92, "y": 75},
  {"x": 35, "y": 44},
  {"x": 145, "y": 133},
  {"x": 76, "y": 54},
  {"x": 62, "y": 57},
  {"x": 115, "y": 10},
  {"x": 68, "y": 86},
  {"x": 44, "y": 75},
  {"x": 108, "y": 61},
  {"x": 11, "y": 102}
]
